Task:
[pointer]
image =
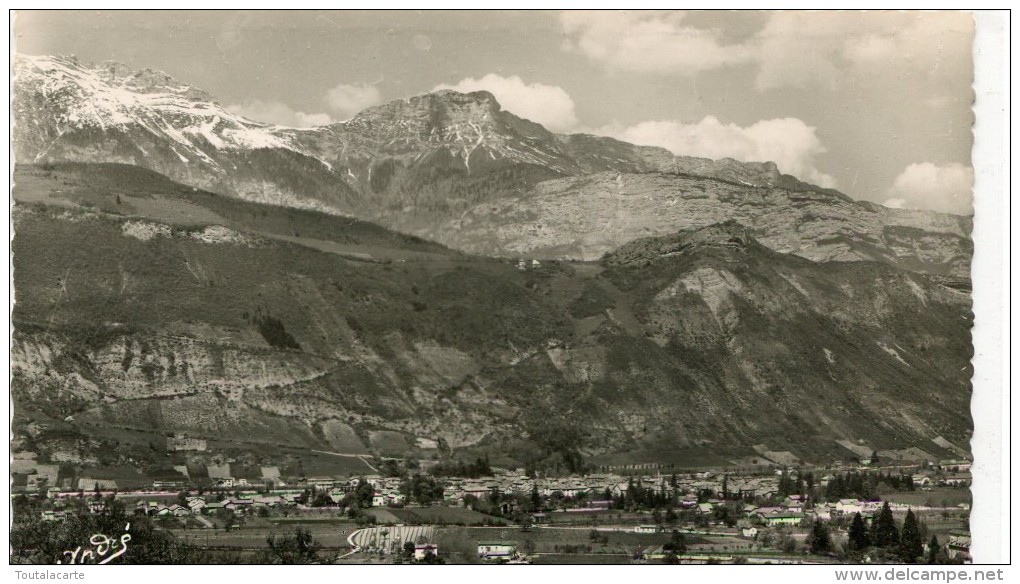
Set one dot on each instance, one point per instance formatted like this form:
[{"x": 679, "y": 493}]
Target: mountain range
[
  {"x": 438, "y": 277},
  {"x": 458, "y": 169}
]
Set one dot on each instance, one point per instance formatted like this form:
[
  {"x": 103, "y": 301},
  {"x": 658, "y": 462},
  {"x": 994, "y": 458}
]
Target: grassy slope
[{"x": 138, "y": 192}]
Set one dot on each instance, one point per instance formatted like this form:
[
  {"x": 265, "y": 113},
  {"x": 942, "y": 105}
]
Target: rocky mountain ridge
[
  {"x": 585, "y": 217},
  {"x": 457, "y": 168}
]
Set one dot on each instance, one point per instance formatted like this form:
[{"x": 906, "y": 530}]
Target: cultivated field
[
  {"x": 343, "y": 438},
  {"x": 252, "y": 537},
  {"x": 388, "y": 443},
  {"x": 554, "y": 540},
  {"x": 937, "y": 497},
  {"x": 580, "y": 559},
  {"x": 393, "y": 538},
  {"x": 432, "y": 515}
]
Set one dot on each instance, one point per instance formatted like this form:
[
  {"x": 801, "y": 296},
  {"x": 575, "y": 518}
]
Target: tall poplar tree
[
  {"x": 886, "y": 534},
  {"x": 911, "y": 545},
  {"x": 858, "y": 534}
]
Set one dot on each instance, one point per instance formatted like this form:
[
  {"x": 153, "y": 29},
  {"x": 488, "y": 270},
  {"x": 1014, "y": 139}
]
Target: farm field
[
  {"x": 549, "y": 540},
  {"x": 596, "y": 518},
  {"x": 332, "y": 537},
  {"x": 433, "y": 515},
  {"x": 127, "y": 477},
  {"x": 393, "y": 538},
  {"x": 388, "y": 442},
  {"x": 457, "y": 543},
  {"x": 343, "y": 438},
  {"x": 580, "y": 559},
  {"x": 323, "y": 464},
  {"x": 937, "y": 497},
  {"x": 305, "y": 520}
]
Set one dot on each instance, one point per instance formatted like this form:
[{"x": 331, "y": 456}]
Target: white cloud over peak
[
  {"x": 947, "y": 188},
  {"x": 548, "y": 105},
  {"x": 344, "y": 100},
  {"x": 789, "y": 142},
  {"x": 348, "y": 100},
  {"x": 279, "y": 113},
  {"x": 648, "y": 41}
]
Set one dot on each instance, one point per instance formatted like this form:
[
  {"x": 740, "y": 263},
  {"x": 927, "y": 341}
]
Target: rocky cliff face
[
  {"x": 705, "y": 338},
  {"x": 585, "y": 217},
  {"x": 435, "y": 163}
]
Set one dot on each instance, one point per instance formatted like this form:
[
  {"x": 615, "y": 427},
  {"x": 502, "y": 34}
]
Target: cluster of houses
[
  {"x": 792, "y": 511},
  {"x": 28, "y": 474},
  {"x": 595, "y": 486},
  {"x": 695, "y": 491},
  {"x": 690, "y": 489}
]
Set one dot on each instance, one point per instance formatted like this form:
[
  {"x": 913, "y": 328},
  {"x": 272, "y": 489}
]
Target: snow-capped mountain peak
[{"x": 73, "y": 95}]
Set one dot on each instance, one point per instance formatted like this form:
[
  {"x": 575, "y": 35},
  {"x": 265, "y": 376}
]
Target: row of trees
[
  {"x": 296, "y": 547},
  {"x": 472, "y": 470},
  {"x": 887, "y": 540},
  {"x": 418, "y": 488},
  {"x": 865, "y": 485},
  {"x": 422, "y": 489},
  {"x": 884, "y": 540}
]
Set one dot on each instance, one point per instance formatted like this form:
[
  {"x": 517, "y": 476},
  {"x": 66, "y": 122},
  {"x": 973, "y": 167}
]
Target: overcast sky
[{"x": 874, "y": 104}]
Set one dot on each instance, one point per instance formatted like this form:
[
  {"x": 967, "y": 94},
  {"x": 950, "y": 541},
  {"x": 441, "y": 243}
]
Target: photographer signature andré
[{"x": 101, "y": 549}]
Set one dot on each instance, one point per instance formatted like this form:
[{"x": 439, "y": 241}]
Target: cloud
[
  {"x": 825, "y": 49},
  {"x": 344, "y": 100},
  {"x": 548, "y": 105},
  {"x": 792, "y": 48},
  {"x": 348, "y": 100},
  {"x": 279, "y": 113},
  {"x": 800, "y": 50},
  {"x": 947, "y": 188},
  {"x": 648, "y": 41},
  {"x": 789, "y": 142}
]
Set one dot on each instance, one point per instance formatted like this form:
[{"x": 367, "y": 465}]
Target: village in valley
[{"x": 868, "y": 511}]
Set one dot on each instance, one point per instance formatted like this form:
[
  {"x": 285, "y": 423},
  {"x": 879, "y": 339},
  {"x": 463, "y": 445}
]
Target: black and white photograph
[{"x": 580, "y": 287}]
